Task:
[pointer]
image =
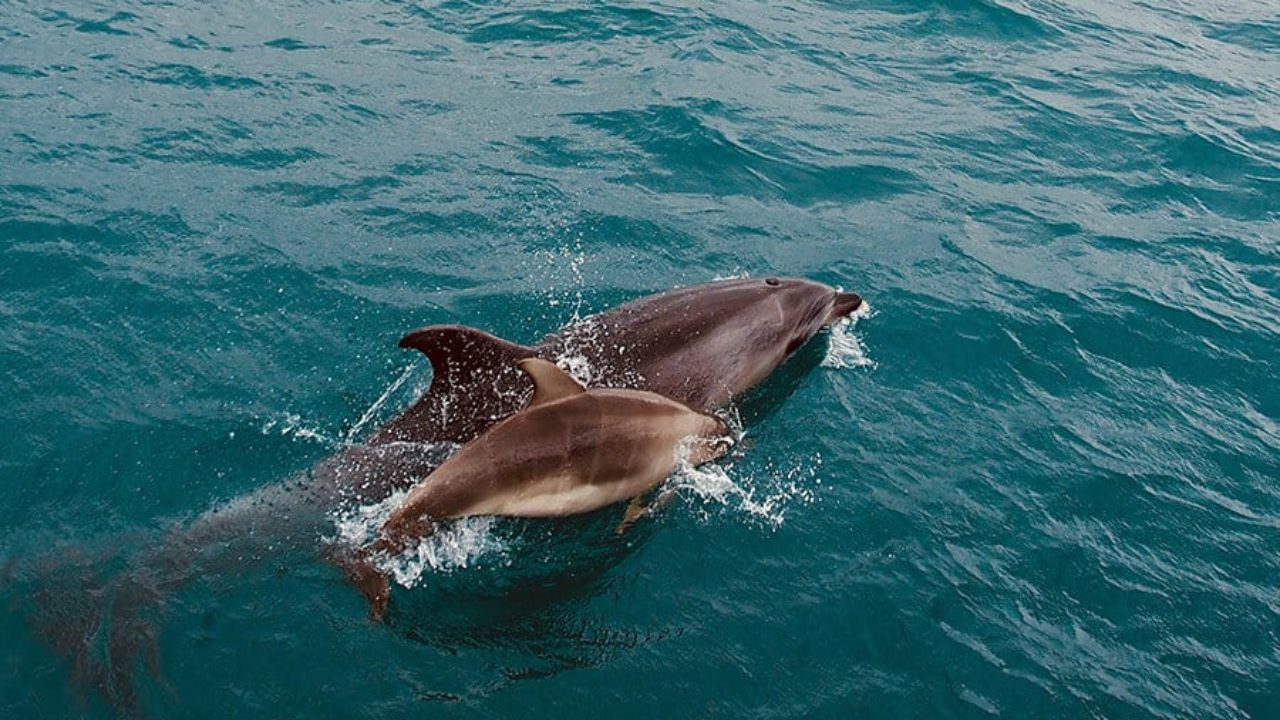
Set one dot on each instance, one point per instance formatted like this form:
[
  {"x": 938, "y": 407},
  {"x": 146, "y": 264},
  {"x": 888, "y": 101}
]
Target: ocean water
[{"x": 1041, "y": 479}]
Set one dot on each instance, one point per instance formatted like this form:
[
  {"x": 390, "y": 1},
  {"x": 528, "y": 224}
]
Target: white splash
[
  {"x": 762, "y": 497},
  {"x": 454, "y": 545},
  {"x": 578, "y": 366},
  {"x": 583, "y": 337},
  {"x": 844, "y": 348},
  {"x": 579, "y": 334}
]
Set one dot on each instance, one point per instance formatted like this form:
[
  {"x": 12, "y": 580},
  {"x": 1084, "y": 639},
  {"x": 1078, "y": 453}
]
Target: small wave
[{"x": 844, "y": 348}]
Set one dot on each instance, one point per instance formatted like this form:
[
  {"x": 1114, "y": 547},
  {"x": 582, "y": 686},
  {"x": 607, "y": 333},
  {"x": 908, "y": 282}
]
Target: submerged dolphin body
[
  {"x": 569, "y": 451},
  {"x": 701, "y": 345},
  {"x": 104, "y": 621}
]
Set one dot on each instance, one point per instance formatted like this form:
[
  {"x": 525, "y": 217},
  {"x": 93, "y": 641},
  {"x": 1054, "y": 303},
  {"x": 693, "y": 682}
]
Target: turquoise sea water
[{"x": 1055, "y": 492}]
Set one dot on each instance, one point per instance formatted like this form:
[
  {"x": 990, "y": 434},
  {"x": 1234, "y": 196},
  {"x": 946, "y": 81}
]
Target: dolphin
[
  {"x": 701, "y": 345},
  {"x": 569, "y": 451}
]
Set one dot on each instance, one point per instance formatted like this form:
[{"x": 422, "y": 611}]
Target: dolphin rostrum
[
  {"x": 569, "y": 451},
  {"x": 701, "y": 345}
]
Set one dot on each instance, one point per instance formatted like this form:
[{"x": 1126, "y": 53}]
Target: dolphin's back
[{"x": 701, "y": 345}]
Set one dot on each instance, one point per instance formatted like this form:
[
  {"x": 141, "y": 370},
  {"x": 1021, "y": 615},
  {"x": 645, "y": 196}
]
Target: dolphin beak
[{"x": 845, "y": 303}]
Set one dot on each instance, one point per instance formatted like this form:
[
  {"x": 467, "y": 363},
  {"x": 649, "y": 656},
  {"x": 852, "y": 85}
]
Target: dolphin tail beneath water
[
  {"x": 103, "y": 625},
  {"x": 372, "y": 583},
  {"x": 368, "y": 578},
  {"x": 472, "y": 374}
]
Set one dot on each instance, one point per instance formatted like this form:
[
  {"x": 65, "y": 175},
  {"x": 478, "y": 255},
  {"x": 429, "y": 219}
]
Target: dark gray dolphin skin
[
  {"x": 569, "y": 451},
  {"x": 702, "y": 345}
]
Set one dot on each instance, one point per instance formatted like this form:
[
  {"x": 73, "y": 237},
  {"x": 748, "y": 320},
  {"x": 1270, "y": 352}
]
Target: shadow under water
[
  {"x": 547, "y": 570},
  {"x": 529, "y": 605}
]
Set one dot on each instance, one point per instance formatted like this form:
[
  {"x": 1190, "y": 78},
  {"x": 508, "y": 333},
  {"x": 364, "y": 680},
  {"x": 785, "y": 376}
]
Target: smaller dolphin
[{"x": 569, "y": 451}]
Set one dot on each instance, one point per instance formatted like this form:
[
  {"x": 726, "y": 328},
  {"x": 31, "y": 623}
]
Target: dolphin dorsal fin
[
  {"x": 550, "y": 383},
  {"x": 472, "y": 372},
  {"x": 459, "y": 352}
]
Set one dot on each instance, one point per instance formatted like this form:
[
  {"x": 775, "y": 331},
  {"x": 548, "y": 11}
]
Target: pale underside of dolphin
[
  {"x": 701, "y": 345},
  {"x": 569, "y": 451}
]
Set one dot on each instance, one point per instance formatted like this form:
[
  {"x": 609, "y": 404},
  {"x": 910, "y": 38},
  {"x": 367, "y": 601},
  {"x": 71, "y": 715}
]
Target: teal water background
[{"x": 1056, "y": 493}]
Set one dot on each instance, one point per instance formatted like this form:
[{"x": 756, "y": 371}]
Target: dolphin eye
[{"x": 772, "y": 282}]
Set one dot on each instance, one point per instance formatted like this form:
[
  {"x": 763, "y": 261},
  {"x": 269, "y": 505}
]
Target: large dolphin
[
  {"x": 569, "y": 451},
  {"x": 702, "y": 345}
]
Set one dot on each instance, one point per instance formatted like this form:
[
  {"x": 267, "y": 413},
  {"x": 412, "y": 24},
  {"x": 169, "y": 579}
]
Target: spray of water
[
  {"x": 454, "y": 545},
  {"x": 378, "y": 404},
  {"x": 292, "y": 425},
  {"x": 575, "y": 259},
  {"x": 844, "y": 348},
  {"x": 760, "y": 496}
]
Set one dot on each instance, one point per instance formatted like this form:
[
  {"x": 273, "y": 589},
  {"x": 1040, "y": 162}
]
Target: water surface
[{"x": 1054, "y": 493}]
